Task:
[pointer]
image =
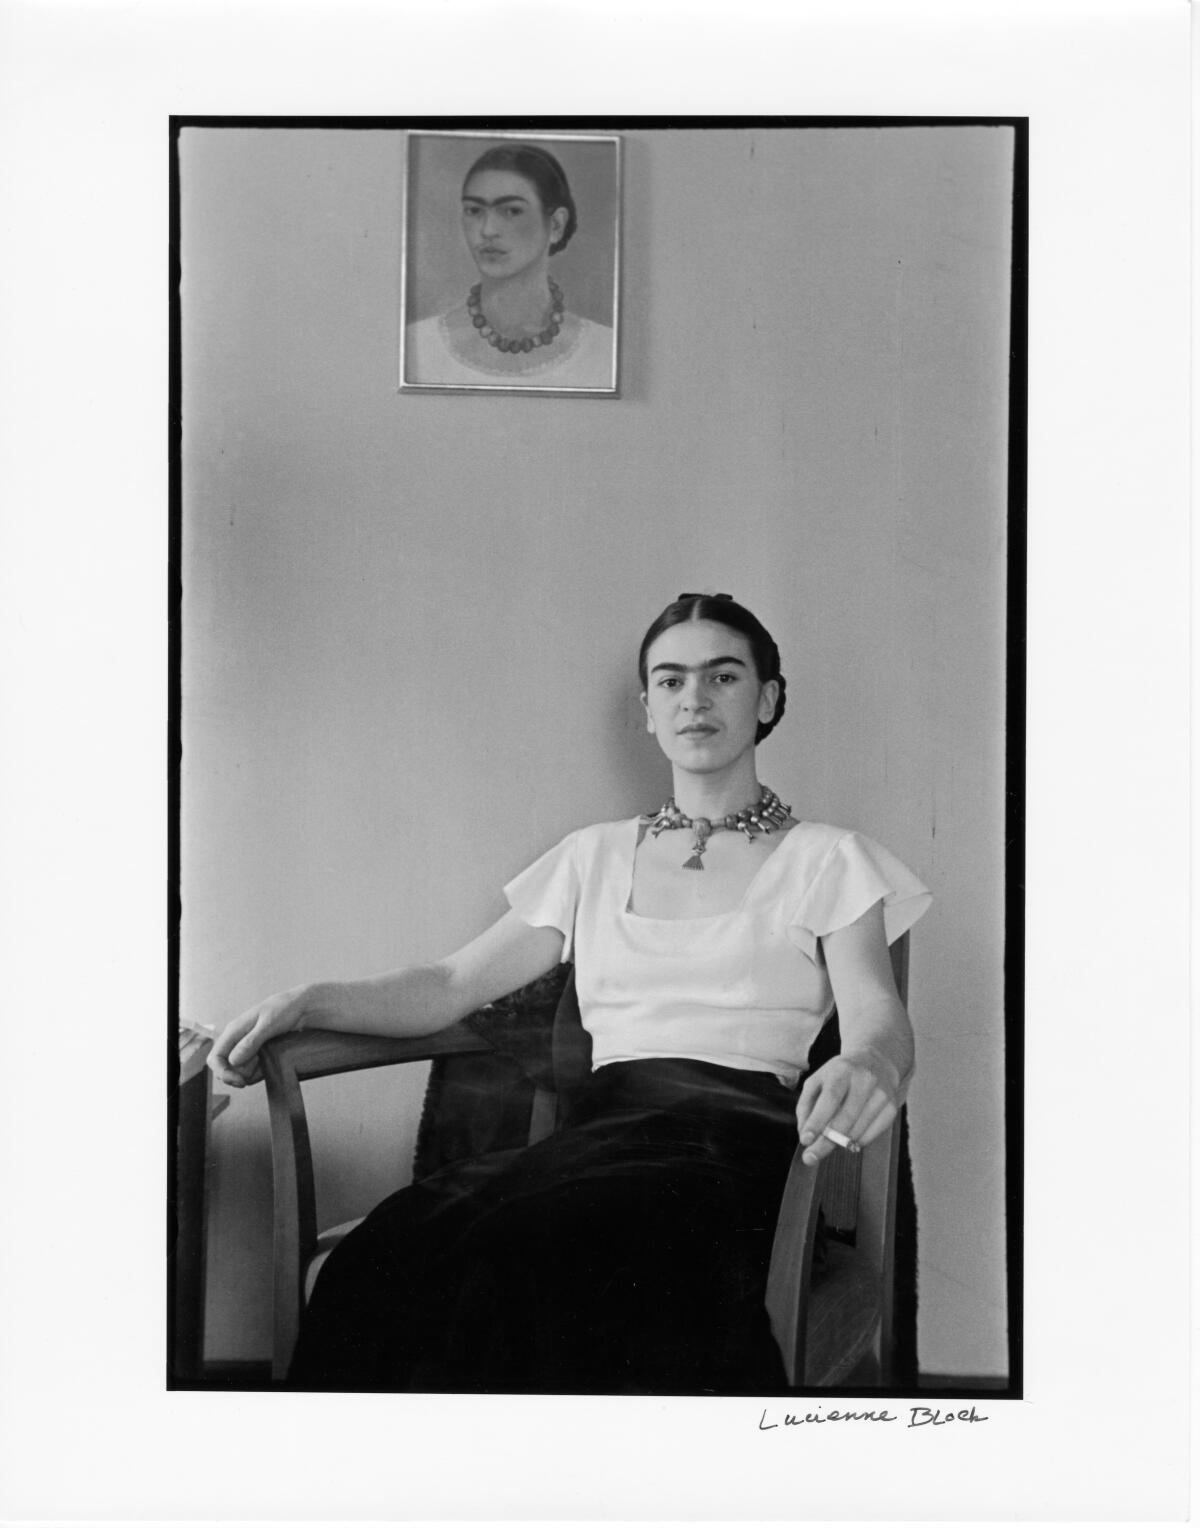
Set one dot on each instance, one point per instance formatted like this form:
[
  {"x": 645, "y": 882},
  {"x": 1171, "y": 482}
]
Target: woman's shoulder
[
  {"x": 596, "y": 843},
  {"x": 819, "y": 843},
  {"x": 814, "y": 850},
  {"x": 844, "y": 873},
  {"x": 585, "y": 852},
  {"x": 589, "y": 339},
  {"x": 588, "y": 328},
  {"x": 817, "y": 837},
  {"x": 425, "y": 341},
  {"x": 434, "y": 325}
]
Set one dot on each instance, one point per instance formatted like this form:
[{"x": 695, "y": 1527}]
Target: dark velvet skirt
[{"x": 626, "y": 1254}]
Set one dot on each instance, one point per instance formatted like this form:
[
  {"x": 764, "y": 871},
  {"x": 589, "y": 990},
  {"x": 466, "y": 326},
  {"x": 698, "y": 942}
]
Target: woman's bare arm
[
  {"x": 415, "y": 1000},
  {"x": 859, "y": 1092}
]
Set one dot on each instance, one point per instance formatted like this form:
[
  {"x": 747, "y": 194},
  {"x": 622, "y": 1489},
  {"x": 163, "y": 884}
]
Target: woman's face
[
  {"x": 505, "y": 225},
  {"x": 704, "y": 699}
]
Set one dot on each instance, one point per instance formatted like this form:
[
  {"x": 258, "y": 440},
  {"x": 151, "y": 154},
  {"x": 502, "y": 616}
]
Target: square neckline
[{"x": 640, "y": 825}]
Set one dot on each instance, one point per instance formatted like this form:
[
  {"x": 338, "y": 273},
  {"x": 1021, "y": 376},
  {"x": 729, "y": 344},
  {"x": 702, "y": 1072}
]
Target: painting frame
[{"x": 447, "y": 344}]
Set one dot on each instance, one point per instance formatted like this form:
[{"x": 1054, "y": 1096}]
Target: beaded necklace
[{"x": 530, "y": 342}]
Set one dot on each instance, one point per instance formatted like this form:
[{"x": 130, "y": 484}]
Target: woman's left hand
[{"x": 856, "y": 1094}]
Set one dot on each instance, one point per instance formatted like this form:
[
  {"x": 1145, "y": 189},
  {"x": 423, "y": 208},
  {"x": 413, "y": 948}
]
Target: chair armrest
[
  {"x": 287, "y": 1062},
  {"x": 324, "y": 1052}
]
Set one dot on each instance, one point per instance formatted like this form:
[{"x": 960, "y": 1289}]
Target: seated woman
[
  {"x": 628, "y": 1252},
  {"x": 514, "y": 328}
]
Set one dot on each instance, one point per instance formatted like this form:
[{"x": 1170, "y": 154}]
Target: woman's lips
[{"x": 700, "y": 731}]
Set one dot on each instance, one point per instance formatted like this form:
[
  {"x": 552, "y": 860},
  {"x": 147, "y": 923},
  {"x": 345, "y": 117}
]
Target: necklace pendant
[{"x": 702, "y": 828}]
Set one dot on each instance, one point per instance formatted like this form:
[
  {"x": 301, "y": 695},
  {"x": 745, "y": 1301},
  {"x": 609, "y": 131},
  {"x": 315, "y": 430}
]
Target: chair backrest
[{"x": 571, "y": 1047}]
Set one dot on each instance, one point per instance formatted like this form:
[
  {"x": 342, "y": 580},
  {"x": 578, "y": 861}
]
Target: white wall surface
[{"x": 410, "y": 621}]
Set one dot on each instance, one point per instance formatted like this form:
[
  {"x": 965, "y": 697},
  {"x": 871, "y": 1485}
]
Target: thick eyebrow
[
  {"x": 682, "y": 668},
  {"x": 481, "y": 201}
]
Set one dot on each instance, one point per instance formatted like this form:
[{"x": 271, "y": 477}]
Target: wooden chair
[{"x": 833, "y": 1323}]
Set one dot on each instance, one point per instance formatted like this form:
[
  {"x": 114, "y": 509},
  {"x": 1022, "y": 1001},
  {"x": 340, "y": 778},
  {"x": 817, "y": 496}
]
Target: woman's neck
[
  {"x": 717, "y": 795},
  {"x": 520, "y": 306}
]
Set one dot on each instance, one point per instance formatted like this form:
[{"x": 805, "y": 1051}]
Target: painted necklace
[
  {"x": 531, "y": 342},
  {"x": 766, "y": 815}
]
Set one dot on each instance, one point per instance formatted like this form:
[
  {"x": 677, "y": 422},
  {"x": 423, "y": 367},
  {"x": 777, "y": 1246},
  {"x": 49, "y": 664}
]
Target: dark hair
[
  {"x": 726, "y": 611},
  {"x": 540, "y": 168}
]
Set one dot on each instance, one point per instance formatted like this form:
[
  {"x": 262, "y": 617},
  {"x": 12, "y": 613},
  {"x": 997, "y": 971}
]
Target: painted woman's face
[{"x": 505, "y": 226}]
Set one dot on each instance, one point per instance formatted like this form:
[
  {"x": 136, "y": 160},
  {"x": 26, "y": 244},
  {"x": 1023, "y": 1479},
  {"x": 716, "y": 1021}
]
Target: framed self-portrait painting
[{"x": 510, "y": 276}]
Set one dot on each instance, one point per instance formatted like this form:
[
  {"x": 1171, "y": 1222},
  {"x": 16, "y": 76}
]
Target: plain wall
[{"x": 410, "y": 621}]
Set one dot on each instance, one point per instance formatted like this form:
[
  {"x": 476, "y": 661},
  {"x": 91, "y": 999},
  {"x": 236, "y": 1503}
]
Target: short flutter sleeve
[
  {"x": 854, "y": 875},
  {"x": 547, "y": 894}
]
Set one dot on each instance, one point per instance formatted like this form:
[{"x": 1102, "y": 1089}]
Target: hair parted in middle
[
  {"x": 544, "y": 173},
  {"x": 725, "y": 611}
]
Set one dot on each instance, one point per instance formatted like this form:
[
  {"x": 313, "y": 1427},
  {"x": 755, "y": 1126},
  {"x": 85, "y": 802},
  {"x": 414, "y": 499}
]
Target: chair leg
[{"x": 295, "y": 1231}]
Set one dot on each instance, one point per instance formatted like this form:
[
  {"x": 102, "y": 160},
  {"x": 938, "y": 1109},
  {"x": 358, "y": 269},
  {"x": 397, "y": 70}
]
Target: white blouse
[
  {"x": 746, "y": 988},
  {"x": 446, "y": 351}
]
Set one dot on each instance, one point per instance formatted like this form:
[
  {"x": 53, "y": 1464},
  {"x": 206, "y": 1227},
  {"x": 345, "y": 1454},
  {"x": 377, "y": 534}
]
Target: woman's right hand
[{"x": 234, "y": 1058}]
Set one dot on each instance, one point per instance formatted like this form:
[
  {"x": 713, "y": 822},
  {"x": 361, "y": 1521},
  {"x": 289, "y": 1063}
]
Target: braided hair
[{"x": 725, "y": 611}]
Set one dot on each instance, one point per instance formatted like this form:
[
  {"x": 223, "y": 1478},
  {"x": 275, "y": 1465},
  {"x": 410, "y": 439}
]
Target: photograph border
[{"x": 933, "y": 1386}]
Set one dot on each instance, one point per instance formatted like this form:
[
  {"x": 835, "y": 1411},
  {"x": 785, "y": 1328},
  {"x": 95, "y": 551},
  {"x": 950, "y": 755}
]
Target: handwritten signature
[{"x": 918, "y": 1416}]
